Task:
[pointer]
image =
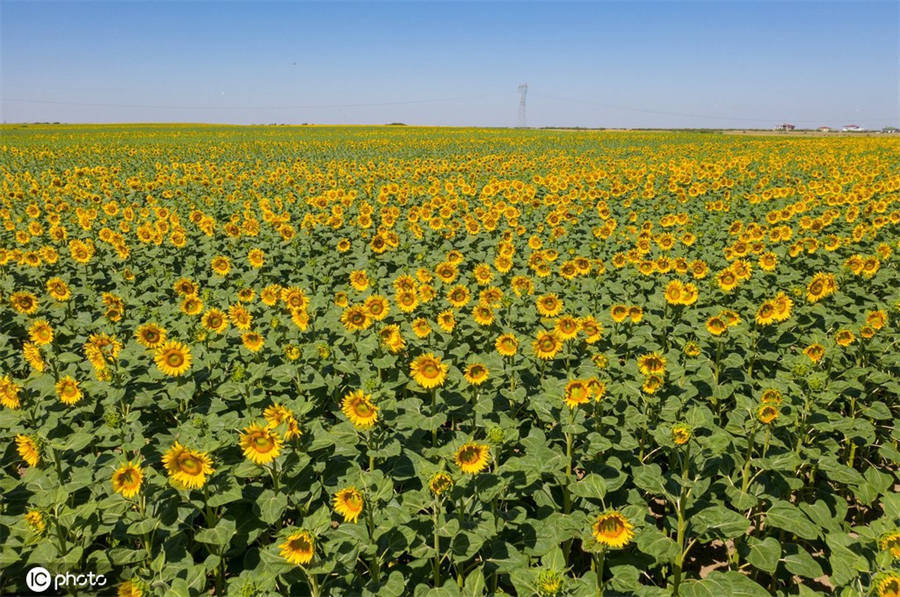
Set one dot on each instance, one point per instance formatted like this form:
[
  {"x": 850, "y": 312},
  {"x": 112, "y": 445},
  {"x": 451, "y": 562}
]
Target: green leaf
[
  {"x": 271, "y": 506},
  {"x": 765, "y": 554},
  {"x": 590, "y": 486},
  {"x": 798, "y": 561},
  {"x": 719, "y": 521},
  {"x": 786, "y": 516}
]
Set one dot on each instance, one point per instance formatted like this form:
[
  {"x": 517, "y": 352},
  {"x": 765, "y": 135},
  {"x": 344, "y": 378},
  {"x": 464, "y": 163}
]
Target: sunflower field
[{"x": 410, "y": 361}]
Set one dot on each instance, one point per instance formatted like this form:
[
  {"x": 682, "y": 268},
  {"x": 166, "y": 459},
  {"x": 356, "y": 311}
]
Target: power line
[{"x": 211, "y": 107}]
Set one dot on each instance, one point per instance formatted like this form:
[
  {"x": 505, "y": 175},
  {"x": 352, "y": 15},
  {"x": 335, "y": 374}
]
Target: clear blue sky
[{"x": 638, "y": 64}]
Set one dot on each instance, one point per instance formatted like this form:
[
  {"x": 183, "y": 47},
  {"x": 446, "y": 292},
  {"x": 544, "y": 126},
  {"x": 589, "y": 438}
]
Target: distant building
[
  {"x": 890, "y": 129},
  {"x": 785, "y": 127},
  {"x": 851, "y": 128},
  {"x": 824, "y": 129}
]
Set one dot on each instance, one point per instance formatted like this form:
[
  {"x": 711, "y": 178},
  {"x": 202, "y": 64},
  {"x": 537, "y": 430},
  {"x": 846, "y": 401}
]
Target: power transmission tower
[{"x": 523, "y": 91}]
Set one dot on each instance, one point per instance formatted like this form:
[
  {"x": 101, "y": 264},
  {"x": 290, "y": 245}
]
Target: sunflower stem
[
  {"x": 436, "y": 566},
  {"x": 599, "y": 561}
]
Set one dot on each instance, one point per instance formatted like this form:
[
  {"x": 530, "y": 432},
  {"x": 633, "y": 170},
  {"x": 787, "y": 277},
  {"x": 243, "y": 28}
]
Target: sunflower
[
  {"x": 844, "y": 337},
  {"x": 255, "y": 258},
  {"x": 131, "y": 588},
  {"x": 439, "y": 483},
  {"x": 348, "y": 502},
  {"x": 613, "y": 529},
  {"x": 483, "y": 315},
  {"x": 472, "y": 457},
  {"x": 215, "y": 320},
  {"x": 767, "y": 413},
  {"x": 35, "y": 521},
  {"x": 876, "y": 319},
  {"x": 260, "y": 444},
  {"x": 566, "y": 327},
  {"x": 619, "y": 313},
  {"x": 28, "y": 449},
  {"x": 32, "y": 353},
  {"x": 716, "y": 326},
  {"x": 546, "y": 345},
  {"x": 253, "y": 341},
  {"x": 771, "y": 396},
  {"x": 298, "y": 548},
  {"x": 549, "y": 305},
  {"x": 359, "y": 408},
  {"x": 652, "y": 363},
  {"x": 428, "y": 371},
  {"x": 392, "y": 338},
  {"x": 150, "y": 335},
  {"x": 636, "y": 313},
  {"x": 277, "y": 414},
  {"x": 343, "y": 245},
  {"x": 652, "y": 383},
  {"x": 507, "y": 345},
  {"x": 766, "y": 313},
  {"x": 9, "y": 393},
  {"x": 220, "y": 265},
  {"x": 815, "y": 352},
  {"x": 476, "y": 374},
  {"x": 356, "y": 318},
  {"x": 23, "y": 302},
  {"x": 173, "y": 358},
  {"x": 577, "y": 392},
  {"x": 458, "y": 296},
  {"x": 127, "y": 479},
  {"x": 406, "y": 300},
  {"x": 674, "y": 292},
  {"x": 592, "y": 328},
  {"x": 446, "y": 320},
  {"x": 359, "y": 280},
  {"x": 377, "y": 307},
  {"x": 681, "y": 433},
  {"x": 821, "y": 286},
  {"x": 67, "y": 390},
  {"x": 191, "y": 304},
  {"x": 421, "y": 327},
  {"x": 40, "y": 332},
  {"x": 890, "y": 542},
  {"x": 187, "y": 468},
  {"x": 58, "y": 289},
  {"x": 692, "y": 349}
]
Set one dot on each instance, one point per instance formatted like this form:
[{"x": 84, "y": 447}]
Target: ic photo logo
[{"x": 39, "y": 580}]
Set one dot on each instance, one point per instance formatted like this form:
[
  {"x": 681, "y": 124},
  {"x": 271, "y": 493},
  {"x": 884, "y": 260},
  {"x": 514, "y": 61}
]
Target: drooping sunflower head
[
  {"x": 348, "y": 502},
  {"x": 35, "y": 521},
  {"x": 28, "y": 449},
  {"x": 815, "y": 352},
  {"x": 766, "y": 413},
  {"x": 173, "y": 358},
  {"x": 890, "y": 542},
  {"x": 261, "y": 445},
  {"x": 889, "y": 585},
  {"x": 253, "y": 341},
  {"x": 652, "y": 383},
  {"x": 635, "y": 313},
  {"x": 359, "y": 408},
  {"x": 127, "y": 479},
  {"x": 440, "y": 483},
  {"x": 844, "y": 337},
  {"x": 298, "y": 548},
  {"x": 476, "y": 373},
  {"x": 652, "y": 363},
  {"x": 613, "y": 529},
  {"x": 716, "y": 326},
  {"x": 188, "y": 468},
  {"x": 472, "y": 457},
  {"x": 771, "y": 396},
  {"x": 9, "y": 393},
  {"x": 150, "y": 335},
  {"x": 681, "y": 433},
  {"x": 428, "y": 371}
]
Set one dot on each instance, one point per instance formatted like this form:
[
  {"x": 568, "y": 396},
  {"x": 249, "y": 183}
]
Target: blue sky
[{"x": 637, "y": 64}]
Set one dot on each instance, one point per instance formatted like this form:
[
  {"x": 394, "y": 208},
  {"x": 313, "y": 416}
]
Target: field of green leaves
[{"x": 408, "y": 361}]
